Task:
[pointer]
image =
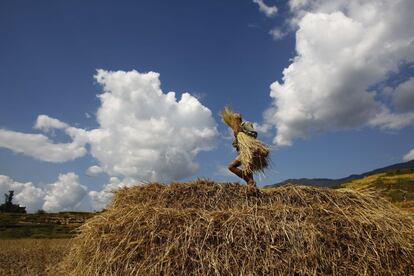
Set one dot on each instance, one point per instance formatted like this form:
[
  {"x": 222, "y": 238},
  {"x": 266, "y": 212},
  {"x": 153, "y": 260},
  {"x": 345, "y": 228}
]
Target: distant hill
[
  {"x": 327, "y": 182},
  {"x": 397, "y": 186}
]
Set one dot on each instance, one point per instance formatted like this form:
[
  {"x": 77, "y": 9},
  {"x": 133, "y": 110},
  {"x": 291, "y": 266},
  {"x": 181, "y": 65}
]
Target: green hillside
[
  {"x": 37, "y": 226},
  {"x": 327, "y": 182},
  {"x": 397, "y": 186}
]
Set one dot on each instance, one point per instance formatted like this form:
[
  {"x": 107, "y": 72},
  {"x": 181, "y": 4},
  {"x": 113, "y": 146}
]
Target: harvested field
[
  {"x": 205, "y": 228},
  {"x": 32, "y": 256}
]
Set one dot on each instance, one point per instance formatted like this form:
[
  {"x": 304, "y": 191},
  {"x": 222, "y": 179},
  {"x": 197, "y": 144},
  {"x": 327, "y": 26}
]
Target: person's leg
[
  {"x": 250, "y": 181},
  {"x": 233, "y": 167}
]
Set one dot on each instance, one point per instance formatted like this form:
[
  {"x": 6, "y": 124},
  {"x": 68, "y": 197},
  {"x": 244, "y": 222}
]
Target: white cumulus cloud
[
  {"x": 64, "y": 194},
  {"x": 146, "y": 134},
  {"x": 344, "y": 48},
  {"x": 269, "y": 11},
  {"x": 41, "y": 147}
]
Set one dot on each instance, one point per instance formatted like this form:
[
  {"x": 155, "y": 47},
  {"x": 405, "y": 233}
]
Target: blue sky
[{"x": 221, "y": 52}]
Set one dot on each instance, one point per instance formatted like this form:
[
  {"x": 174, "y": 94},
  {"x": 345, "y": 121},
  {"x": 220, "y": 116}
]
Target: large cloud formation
[
  {"x": 144, "y": 135},
  {"x": 345, "y": 49}
]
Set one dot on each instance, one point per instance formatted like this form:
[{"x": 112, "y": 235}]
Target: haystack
[{"x": 205, "y": 228}]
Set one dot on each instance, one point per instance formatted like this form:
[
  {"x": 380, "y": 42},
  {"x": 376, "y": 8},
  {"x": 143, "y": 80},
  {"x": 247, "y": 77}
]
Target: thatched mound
[{"x": 204, "y": 228}]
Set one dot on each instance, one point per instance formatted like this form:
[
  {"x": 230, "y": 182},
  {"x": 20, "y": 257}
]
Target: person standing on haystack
[{"x": 253, "y": 155}]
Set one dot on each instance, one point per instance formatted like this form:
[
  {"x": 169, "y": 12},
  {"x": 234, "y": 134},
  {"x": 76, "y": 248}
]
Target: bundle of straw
[
  {"x": 229, "y": 117},
  {"x": 253, "y": 154}
]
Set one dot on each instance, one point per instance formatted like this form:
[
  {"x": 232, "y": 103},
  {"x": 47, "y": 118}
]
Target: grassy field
[
  {"x": 32, "y": 256},
  {"x": 41, "y": 226},
  {"x": 33, "y": 244},
  {"x": 396, "y": 186}
]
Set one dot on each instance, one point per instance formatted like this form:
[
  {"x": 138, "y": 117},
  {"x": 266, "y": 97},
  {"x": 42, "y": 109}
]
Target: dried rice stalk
[
  {"x": 253, "y": 154},
  {"x": 205, "y": 228},
  {"x": 229, "y": 117}
]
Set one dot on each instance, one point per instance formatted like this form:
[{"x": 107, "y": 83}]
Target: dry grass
[
  {"x": 32, "y": 257},
  {"x": 229, "y": 117},
  {"x": 254, "y": 155},
  {"x": 204, "y": 228}
]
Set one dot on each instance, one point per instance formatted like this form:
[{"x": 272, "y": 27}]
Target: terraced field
[
  {"x": 397, "y": 186},
  {"x": 39, "y": 226}
]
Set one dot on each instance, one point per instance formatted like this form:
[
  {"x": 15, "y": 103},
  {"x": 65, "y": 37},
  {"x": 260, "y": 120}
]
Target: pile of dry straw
[
  {"x": 204, "y": 228},
  {"x": 253, "y": 154}
]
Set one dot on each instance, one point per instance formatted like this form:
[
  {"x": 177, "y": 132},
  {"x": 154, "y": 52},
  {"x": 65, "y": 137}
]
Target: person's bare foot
[{"x": 251, "y": 185}]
